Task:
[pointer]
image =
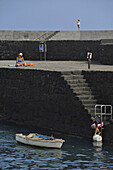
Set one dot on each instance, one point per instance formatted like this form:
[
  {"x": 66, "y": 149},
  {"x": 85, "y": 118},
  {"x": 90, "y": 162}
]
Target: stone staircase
[
  {"x": 81, "y": 89},
  {"x": 52, "y": 35}
]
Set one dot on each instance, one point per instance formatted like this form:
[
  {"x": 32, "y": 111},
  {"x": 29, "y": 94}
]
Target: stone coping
[{"x": 55, "y": 35}]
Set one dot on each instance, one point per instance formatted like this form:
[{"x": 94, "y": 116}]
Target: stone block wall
[
  {"x": 73, "y": 50},
  {"x": 106, "y": 54},
  {"x": 56, "y": 50},
  {"x": 101, "y": 83},
  {"x": 61, "y": 45},
  {"x": 9, "y": 50},
  {"x": 41, "y": 99},
  {"x": 25, "y": 35}
]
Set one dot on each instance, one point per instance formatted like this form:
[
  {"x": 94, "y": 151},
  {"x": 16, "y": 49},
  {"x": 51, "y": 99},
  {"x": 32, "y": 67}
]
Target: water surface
[{"x": 75, "y": 153}]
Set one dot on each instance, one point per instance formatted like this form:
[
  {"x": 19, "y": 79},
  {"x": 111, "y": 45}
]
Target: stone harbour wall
[
  {"x": 9, "y": 50},
  {"x": 73, "y": 50},
  {"x": 56, "y": 50},
  {"x": 61, "y": 45},
  {"x": 101, "y": 83},
  {"x": 106, "y": 54},
  {"x": 41, "y": 99}
]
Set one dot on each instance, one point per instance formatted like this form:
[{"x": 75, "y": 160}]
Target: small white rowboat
[{"x": 39, "y": 140}]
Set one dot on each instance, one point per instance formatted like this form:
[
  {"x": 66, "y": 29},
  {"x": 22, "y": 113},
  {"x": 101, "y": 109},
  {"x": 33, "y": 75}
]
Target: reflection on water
[{"x": 75, "y": 153}]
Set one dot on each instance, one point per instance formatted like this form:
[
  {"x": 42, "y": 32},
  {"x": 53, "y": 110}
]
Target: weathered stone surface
[
  {"x": 61, "y": 45},
  {"x": 55, "y": 35},
  {"x": 56, "y": 50},
  {"x": 11, "y": 49},
  {"x": 102, "y": 84},
  {"x": 41, "y": 99},
  {"x": 106, "y": 53}
]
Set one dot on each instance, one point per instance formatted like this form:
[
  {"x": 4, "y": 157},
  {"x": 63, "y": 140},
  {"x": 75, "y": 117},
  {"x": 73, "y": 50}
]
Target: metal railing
[{"x": 103, "y": 110}]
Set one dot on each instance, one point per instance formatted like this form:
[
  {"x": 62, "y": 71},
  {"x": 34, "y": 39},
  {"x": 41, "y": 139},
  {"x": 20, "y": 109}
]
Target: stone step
[
  {"x": 85, "y": 97},
  {"x": 83, "y": 92},
  {"x": 78, "y": 85},
  {"x": 91, "y": 111},
  {"x": 89, "y": 101},
  {"x": 89, "y": 105},
  {"x": 76, "y": 81},
  {"x": 71, "y": 72},
  {"x": 81, "y": 89},
  {"x": 71, "y": 77}
]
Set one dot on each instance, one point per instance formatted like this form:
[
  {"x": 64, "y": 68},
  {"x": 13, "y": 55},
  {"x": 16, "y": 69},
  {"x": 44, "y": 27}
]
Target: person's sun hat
[{"x": 20, "y": 54}]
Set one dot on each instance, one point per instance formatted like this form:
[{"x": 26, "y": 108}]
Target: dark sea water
[{"x": 75, "y": 153}]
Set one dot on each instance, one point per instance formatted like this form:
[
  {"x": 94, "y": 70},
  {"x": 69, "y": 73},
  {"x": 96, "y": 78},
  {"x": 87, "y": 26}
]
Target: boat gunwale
[{"x": 39, "y": 139}]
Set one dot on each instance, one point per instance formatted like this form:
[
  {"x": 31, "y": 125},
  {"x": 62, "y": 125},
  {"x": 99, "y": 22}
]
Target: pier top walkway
[
  {"x": 55, "y": 35},
  {"x": 58, "y": 65}
]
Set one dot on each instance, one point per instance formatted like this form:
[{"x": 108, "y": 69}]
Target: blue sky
[{"x": 56, "y": 14}]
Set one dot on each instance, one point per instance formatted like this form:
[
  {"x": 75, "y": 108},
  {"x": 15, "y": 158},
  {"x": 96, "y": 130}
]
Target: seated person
[{"x": 20, "y": 60}]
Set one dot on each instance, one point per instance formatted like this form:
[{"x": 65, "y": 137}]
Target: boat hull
[{"x": 40, "y": 143}]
